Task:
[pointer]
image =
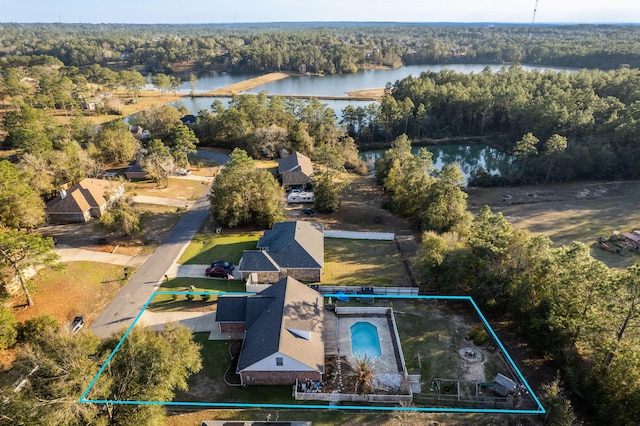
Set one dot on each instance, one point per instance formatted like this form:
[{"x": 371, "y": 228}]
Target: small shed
[
  {"x": 136, "y": 171},
  {"x": 504, "y": 385}
]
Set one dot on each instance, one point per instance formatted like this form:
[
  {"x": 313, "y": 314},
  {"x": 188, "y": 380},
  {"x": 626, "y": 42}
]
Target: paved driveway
[{"x": 193, "y": 271}]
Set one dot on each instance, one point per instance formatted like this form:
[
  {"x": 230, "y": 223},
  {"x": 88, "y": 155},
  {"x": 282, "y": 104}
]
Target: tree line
[
  {"x": 594, "y": 111},
  {"x": 568, "y": 306},
  {"x": 321, "y": 47}
]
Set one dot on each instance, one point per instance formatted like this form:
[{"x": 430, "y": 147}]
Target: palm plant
[{"x": 363, "y": 373}]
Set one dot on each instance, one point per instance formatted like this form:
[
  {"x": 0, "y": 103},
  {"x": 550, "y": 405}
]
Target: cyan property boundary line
[{"x": 539, "y": 410}]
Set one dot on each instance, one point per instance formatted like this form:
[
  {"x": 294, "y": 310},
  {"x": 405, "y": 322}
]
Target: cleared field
[
  {"x": 569, "y": 212},
  {"x": 179, "y": 189},
  {"x": 78, "y": 288},
  {"x": 363, "y": 263}
]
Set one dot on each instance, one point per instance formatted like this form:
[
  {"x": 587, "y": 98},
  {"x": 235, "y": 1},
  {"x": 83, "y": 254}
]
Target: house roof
[
  {"x": 295, "y": 162},
  {"x": 298, "y": 244},
  {"x": 231, "y": 309},
  {"x": 258, "y": 261},
  {"x": 189, "y": 118},
  {"x": 88, "y": 193},
  {"x": 285, "y": 318}
]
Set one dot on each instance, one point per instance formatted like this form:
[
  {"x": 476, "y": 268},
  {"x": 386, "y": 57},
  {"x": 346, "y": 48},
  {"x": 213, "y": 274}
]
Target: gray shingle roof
[
  {"x": 283, "y": 313},
  {"x": 295, "y": 161},
  {"x": 257, "y": 261},
  {"x": 231, "y": 308},
  {"x": 295, "y": 170},
  {"x": 298, "y": 244}
]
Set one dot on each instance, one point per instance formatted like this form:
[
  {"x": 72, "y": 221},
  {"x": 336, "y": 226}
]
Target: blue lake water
[{"x": 469, "y": 157}]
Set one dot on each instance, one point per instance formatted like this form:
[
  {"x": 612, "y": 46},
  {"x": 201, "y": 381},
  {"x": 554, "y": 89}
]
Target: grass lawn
[
  {"x": 179, "y": 189},
  {"x": 271, "y": 165},
  {"x": 166, "y": 302},
  {"x": 363, "y": 263},
  {"x": 580, "y": 211},
  {"x": 432, "y": 333},
  {"x": 322, "y": 417},
  {"x": 205, "y": 247},
  {"x": 79, "y": 288},
  {"x": 215, "y": 361}
]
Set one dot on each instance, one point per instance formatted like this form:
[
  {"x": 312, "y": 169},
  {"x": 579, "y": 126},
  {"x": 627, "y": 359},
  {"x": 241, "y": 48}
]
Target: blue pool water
[{"x": 365, "y": 340}]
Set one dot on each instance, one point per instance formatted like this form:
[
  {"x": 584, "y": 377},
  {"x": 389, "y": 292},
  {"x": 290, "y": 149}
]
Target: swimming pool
[{"x": 365, "y": 340}]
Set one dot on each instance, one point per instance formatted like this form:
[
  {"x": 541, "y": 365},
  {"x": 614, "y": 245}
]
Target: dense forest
[
  {"x": 321, "y": 47},
  {"x": 593, "y": 111}
]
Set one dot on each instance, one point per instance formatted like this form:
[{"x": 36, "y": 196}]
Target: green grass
[
  {"x": 205, "y": 247},
  {"x": 431, "y": 334},
  {"x": 216, "y": 360},
  {"x": 363, "y": 263},
  {"x": 167, "y": 302}
]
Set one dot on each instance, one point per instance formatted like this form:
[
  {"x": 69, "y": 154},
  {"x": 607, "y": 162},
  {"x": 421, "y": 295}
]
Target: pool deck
[{"x": 386, "y": 363}]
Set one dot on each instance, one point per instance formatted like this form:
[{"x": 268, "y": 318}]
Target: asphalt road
[{"x": 126, "y": 306}]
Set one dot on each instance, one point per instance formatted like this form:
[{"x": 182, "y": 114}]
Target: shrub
[
  {"x": 478, "y": 334},
  {"x": 190, "y": 297},
  {"x": 205, "y": 297}
]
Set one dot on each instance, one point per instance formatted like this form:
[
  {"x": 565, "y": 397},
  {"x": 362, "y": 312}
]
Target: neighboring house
[
  {"x": 135, "y": 171},
  {"x": 283, "y": 339},
  {"x": 293, "y": 249},
  {"x": 189, "y": 120},
  {"x": 295, "y": 170},
  {"x": 87, "y": 199}
]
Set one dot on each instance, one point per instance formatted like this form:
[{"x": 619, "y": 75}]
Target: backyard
[
  {"x": 432, "y": 335},
  {"x": 363, "y": 263}
]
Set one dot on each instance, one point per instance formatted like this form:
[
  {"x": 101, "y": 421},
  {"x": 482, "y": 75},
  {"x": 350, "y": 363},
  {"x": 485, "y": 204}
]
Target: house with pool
[
  {"x": 283, "y": 333},
  {"x": 292, "y": 338}
]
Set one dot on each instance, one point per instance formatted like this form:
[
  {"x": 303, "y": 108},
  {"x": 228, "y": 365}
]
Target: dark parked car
[
  {"x": 217, "y": 271},
  {"x": 308, "y": 212},
  {"x": 77, "y": 324},
  {"x": 224, "y": 264}
]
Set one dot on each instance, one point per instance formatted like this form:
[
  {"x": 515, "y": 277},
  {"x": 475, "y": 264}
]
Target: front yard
[{"x": 207, "y": 247}]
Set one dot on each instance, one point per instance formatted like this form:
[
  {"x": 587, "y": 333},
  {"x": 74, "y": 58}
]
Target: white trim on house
[{"x": 269, "y": 364}]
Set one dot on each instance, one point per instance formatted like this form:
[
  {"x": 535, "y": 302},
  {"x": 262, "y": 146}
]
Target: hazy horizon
[{"x": 326, "y": 11}]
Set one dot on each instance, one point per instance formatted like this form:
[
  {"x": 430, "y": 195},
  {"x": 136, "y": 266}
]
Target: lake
[
  {"x": 330, "y": 85},
  {"x": 468, "y": 156}
]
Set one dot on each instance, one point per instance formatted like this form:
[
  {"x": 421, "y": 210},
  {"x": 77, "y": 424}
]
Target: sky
[{"x": 244, "y": 11}]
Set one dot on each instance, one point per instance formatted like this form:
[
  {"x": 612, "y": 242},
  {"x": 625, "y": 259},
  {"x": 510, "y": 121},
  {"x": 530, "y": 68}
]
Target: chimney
[{"x": 63, "y": 194}]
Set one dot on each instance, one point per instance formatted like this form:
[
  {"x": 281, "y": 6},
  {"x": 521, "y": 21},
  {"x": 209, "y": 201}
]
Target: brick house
[
  {"x": 293, "y": 249},
  {"x": 83, "y": 201},
  {"x": 295, "y": 170},
  {"x": 283, "y": 333}
]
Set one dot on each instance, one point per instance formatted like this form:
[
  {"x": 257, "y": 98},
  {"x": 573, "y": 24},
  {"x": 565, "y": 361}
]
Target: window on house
[{"x": 279, "y": 362}]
